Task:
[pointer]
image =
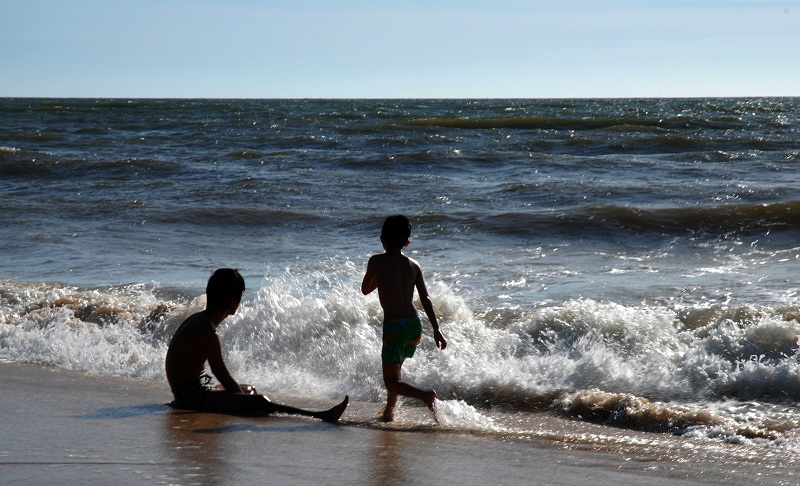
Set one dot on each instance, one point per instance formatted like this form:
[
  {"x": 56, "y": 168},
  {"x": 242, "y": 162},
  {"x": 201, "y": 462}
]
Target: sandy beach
[{"x": 62, "y": 427}]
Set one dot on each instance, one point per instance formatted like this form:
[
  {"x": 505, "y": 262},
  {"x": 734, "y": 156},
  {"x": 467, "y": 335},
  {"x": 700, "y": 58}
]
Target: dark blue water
[{"x": 179, "y": 185}]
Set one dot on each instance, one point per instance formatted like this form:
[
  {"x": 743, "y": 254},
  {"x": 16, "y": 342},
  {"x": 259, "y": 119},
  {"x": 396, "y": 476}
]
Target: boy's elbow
[{"x": 368, "y": 286}]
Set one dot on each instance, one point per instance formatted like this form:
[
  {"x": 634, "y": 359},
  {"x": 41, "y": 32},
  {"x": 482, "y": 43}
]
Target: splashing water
[
  {"x": 458, "y": 414},
  {"x": 647, "y": 367}
]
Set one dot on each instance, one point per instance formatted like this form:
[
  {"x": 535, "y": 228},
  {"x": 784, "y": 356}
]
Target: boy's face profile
[{"x": 236, "y": 300}]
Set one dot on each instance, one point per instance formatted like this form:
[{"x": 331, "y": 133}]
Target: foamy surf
[
  {"x": 459, "y": 415},
  {"x": 648, "y": 368}
]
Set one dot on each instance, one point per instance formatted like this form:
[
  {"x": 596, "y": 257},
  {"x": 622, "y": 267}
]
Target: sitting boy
[{"x": 196, "y": 342}]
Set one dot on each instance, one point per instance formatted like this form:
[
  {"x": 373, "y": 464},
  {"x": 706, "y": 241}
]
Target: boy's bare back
[
  {"x": 194, "y": 343},
  {"x": 395, "y": 276},
  {"x": 185, "y": 358}
]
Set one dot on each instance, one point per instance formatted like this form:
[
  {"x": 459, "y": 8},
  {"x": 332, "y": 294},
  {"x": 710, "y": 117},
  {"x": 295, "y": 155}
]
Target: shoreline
[{"x": 62, "y": 427}]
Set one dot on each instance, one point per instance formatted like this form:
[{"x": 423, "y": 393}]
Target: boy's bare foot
[
  {"x": 333, "y": 414},
  {"x": 430, "y": 402},
  {"x": 388, "y": 414}
]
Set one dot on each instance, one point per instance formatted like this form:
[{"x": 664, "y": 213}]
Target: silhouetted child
[
  {"x": 196, "y": 342},
  {"x": 396, "y": 276}
]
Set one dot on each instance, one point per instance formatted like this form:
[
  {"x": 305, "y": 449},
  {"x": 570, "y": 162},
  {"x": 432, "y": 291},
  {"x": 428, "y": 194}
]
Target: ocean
[{"x": 626, "y": 262}]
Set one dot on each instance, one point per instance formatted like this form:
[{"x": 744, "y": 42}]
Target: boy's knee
[{"x": 390, "y": 380}]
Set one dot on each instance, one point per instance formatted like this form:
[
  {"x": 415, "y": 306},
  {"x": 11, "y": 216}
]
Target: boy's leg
[
  {"x": 395, "y": 386},
  {"x": 391, "y": 374},
  {"x": 242, "y": 403},
  {"x": 247, "y": 389}
]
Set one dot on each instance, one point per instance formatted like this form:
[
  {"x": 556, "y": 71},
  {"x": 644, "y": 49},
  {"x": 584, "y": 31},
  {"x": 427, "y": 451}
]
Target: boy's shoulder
[
  {"x": 198, "y": 318},
  {"x": 391, "y": 261},
  {"x": 392, "y": 257},
  {"x": 197, "y": 324}
]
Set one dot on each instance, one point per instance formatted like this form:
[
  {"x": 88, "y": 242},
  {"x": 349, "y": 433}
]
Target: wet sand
[{"x": 62, "y": 427}]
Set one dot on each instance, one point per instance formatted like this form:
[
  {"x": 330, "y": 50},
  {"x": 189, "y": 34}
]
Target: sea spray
[
  {"x": 458, "y": 414},
  {"x": 307, "y": 335},
  {"x": 646, "y": 367},
  {"x": 293, "y": 335}
]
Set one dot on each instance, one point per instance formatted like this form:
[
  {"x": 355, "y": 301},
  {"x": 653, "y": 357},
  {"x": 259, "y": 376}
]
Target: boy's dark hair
[
  {"x": 223, "y": 284},
  {"x": 396, "y": 230}
]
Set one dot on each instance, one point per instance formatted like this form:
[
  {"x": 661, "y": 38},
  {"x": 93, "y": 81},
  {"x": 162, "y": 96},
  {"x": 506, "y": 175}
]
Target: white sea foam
[
  {"x": 648, "y": 367},
  {"x": 458, "y": 414}
]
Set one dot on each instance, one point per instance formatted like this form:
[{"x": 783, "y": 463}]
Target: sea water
[{"x": 627, "y": 262}]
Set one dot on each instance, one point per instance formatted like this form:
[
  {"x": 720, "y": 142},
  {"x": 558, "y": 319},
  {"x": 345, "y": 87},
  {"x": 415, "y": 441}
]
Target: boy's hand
[{"x": 440, "y": 342}]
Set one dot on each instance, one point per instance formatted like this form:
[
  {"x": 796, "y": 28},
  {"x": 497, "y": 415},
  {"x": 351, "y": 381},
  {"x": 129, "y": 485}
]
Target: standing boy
[
  {"x": 396, "y": 276},
  {"x": 196, "y": 342}
]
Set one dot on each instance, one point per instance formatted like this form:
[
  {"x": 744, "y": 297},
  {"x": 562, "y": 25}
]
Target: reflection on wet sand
[
  {"x": 389, "y": 467},
  {"x": 197, "y": 457}
]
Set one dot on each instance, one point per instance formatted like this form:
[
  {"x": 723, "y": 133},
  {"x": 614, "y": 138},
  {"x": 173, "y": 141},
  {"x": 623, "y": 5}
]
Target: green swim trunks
[{"x": 400, "y": 339}]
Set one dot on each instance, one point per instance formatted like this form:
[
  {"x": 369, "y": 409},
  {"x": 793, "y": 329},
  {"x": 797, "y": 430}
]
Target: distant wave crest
[{"x": 600, "y": 221}]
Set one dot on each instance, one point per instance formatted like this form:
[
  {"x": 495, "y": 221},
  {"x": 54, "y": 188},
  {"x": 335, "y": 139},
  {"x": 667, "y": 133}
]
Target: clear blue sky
[{"x": 414, "y": 48}]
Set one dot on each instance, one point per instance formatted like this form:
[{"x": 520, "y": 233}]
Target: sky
[{"x": 398, "y": 49}]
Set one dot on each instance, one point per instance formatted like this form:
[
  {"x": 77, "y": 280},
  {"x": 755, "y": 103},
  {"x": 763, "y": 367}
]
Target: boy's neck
[
  {"x": 216, "y": 316},
  {"x": 394, "y": 251}
]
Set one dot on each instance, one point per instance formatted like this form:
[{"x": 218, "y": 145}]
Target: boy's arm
[
  {"x": 370, "y": 281},
  {"x": 427, "y": 306},
  {"x": 217, "y": 364}
]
